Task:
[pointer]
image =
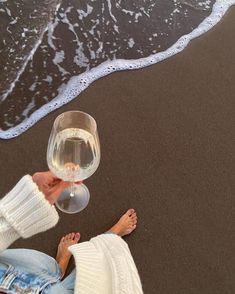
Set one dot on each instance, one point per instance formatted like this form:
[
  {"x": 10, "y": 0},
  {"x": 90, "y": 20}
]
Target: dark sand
[{"x": 168, "y": 149}]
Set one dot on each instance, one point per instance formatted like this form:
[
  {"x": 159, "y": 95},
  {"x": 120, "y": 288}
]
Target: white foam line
[
  {"x": 20, "y": 72},
  {"x": 79, "y": 83},
  {"x": 30, "y": 56},
  {"x": 110, "y": 10}
]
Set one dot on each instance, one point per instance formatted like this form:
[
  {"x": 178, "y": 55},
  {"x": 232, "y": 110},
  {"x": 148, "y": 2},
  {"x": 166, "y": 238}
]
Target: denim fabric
[{"x": 25, "y": 271}]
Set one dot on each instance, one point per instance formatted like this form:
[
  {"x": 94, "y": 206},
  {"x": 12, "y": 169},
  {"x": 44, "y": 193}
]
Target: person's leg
[
  {"x": 38, "y": 263},
  {"x": 42, "y": 265},
  {"x": 65, "y": 286},
  {"x": 69, "y": 281},
  {"x": 63, "y": 254},
  {"x": 126, "y": 225},
  {"x": 20, "y": 268},
  {"x": 31, "y": 261}
]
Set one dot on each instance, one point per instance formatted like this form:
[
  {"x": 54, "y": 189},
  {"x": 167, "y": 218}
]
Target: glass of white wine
[{"x": 73, "y": 155}]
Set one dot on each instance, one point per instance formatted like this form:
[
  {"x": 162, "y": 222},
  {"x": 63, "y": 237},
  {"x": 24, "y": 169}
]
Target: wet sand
[
  {"x": 84, "y": 36},
  {"x": 168, "y": 149}
]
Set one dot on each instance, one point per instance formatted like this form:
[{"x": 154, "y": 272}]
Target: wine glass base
[{"x": 77, "y": 202}]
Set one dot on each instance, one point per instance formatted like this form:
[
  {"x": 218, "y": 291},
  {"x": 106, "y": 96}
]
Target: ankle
[
  {"x": 115, "y": 230},
  {"x": 110, "y": 232},
  {"x": 63, "y": 264}
]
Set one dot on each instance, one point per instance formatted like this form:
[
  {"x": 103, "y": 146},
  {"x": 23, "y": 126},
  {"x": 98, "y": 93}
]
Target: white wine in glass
[{"x": 73, "y": 155}]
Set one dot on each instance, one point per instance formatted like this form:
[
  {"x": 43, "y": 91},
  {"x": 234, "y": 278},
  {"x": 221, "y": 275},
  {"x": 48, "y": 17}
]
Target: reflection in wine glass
[{"x": 73, "y": 155}]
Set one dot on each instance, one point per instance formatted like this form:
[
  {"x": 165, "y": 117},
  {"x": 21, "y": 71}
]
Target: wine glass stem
[{"x": 72, "y": 193}]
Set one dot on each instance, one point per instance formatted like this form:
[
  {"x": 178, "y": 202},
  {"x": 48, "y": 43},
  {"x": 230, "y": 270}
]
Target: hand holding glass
[{"x": 73, "y": 155}]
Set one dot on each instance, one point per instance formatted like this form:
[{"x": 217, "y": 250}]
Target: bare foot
[
  {"x": 63, "y": 254},
  {"x": 126, "y": 224}
]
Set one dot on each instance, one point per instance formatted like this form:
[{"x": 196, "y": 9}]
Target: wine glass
[{"x": 73, "y": 155}]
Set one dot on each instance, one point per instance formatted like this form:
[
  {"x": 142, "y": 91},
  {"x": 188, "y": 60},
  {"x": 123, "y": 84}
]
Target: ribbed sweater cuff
[
  {"x": 91, "y": 277},
  {"x": 26, "y": 209}
]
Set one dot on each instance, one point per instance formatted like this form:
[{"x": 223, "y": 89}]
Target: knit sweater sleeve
[{"x": 24, "y": 212}]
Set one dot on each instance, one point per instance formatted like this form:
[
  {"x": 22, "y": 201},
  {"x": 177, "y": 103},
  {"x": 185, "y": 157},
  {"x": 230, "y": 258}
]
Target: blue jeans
[{"x": 32, "y": 272}]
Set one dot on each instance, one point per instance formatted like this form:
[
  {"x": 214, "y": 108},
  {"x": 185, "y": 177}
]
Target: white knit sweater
[{"x": 104, "y": 265}]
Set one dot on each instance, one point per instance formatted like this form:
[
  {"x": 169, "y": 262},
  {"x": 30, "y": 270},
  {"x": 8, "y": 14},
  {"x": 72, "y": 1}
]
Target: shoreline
[
  {"x": 167, "y": 145},
  {"x": 77, "y": 84}
]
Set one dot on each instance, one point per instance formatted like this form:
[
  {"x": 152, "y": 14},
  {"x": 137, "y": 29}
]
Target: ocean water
[{"x": 51, "y": 50}]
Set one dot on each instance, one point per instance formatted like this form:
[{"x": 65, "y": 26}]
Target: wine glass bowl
[{"x": 73, "y": 155}]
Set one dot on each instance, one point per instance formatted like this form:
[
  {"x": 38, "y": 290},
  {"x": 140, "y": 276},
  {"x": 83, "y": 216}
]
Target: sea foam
[{"x": 96, "y": 37}]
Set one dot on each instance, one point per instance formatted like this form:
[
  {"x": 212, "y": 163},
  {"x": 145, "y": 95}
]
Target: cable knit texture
[
  {"x": 104, "y": 265},
  {"x": 24, "y": 212}
]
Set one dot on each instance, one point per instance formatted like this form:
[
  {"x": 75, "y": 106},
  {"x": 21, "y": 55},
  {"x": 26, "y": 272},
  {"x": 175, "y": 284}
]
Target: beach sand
[{"x": 167, "y": 134}]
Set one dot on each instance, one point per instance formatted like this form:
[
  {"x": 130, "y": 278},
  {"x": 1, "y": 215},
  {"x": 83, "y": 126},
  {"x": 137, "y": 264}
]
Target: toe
[
  {"x": 130, "y": 212},
  {"x": 77, "y": 237},
  {"x": 134, "y": 219},
  {"x": 72, "y": 236},
  {"x": 133, "y": 215},
  {"x": 68, "y": 237}
]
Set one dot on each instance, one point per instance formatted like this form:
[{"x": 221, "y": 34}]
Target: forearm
[{"x": 24, "y": 212}]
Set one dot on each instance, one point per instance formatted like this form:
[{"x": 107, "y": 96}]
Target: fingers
[
  {"x": 50, "y": 174},
  {"x": 63, "y": 185},
  {"x": 79, "y": 182},
  {"x": 53, "y": 193},
  {"x": 59, "y": 186},
  {"x": 52, "y": 186},
  {"x": 46, "y": 176},
  {"x": 51, "y": 179}
]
